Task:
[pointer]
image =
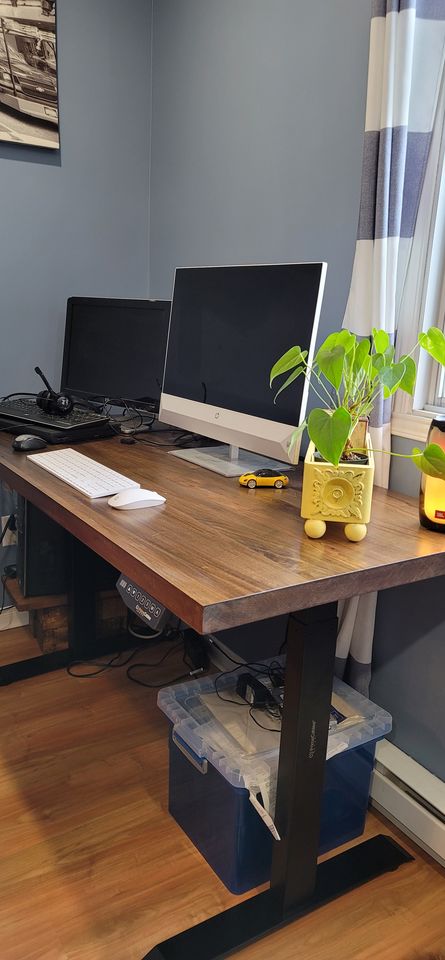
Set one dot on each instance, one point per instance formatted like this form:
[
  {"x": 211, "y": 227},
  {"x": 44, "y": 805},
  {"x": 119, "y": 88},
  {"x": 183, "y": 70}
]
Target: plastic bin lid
[{"x": 242, "y": 743}]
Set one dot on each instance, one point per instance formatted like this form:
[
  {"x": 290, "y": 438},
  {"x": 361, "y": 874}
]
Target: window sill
[{"x": 413, "y": 426}]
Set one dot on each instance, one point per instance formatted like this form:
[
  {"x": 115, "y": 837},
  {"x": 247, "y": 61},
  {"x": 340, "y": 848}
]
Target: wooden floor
[{"x": 93, "y": 868}]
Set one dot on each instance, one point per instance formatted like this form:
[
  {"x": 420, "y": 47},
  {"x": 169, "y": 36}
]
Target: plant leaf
[
  {"x": 434, "y": 343},
  {"x": 431, "y": 461},
  {"x": 297, "y": 434},
  {"x": 361, "y": 353},
  {"x": 341, "y": 338},
  {"x": 381, "y": 340},
  {"x": 367, "y": 366},
  {"x": 391, "y": 378},
  {"x": 409, "y": 378},
  {"x": 331, "y": 363},
  {"x": 292, "y": 358},
  {"x": 378, "y": 362},
  {"x": 329, "y": 432},
  {"x": 290, "y": 379}
]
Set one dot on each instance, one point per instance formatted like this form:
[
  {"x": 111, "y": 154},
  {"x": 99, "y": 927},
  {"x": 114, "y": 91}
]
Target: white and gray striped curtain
[{"x": 406, "y": 68}]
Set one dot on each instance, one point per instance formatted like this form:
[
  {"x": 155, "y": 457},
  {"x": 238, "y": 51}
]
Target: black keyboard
[{"x": 27, "y": 412}]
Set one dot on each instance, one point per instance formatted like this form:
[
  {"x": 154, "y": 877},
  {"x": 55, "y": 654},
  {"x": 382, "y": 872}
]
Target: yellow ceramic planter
[{"x": 340, "y": 494}]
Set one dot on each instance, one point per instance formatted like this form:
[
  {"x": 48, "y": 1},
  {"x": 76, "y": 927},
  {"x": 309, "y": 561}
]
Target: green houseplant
[{"x": 348, "y": 376}]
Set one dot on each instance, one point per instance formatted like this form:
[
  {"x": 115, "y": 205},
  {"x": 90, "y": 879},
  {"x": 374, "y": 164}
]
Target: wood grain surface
[
  {"x": 92, "y": 867},
  {"x": 219, "y": 555},
  {"x": 34, "y": 603}
]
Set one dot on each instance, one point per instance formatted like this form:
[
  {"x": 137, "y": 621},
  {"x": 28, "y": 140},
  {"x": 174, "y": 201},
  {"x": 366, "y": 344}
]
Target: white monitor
[{"x": 228, "y": 326}]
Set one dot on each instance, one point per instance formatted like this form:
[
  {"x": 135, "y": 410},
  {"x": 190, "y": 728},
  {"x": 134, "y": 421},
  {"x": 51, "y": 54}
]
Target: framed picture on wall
[{"x": 29, "y": 110}]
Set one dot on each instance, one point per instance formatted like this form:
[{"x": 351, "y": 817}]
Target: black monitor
[{"x": 115, "y": 349}]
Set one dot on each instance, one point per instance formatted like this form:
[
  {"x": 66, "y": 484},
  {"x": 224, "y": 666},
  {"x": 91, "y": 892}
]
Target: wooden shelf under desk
[
  {"x": 49, "y": 616},
  {"x": 22, "y": 603},
  {"x": 33, "y": 603}
]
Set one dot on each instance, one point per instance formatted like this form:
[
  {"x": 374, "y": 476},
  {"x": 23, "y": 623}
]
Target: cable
[
  {"x": 253, "y": 664},
  {"x": 3, "y": 595},
  {"x": 143, "y": 636},
  {"x": 131, "y": 412},
  {"x": 218, "y": 694},
  {"x": 150, "y": 666},
  {"x": 7, "y": 526},
  {"x": 21, "y": 393},
  {"x": 102, "y": 666},
  {"x": 166, "y": 635},
  {"x": 264, "y": 671},
  {"x": 6, "y": 576},
  {"x": 154, "y": 443},
  {"x": 193, "y": 672},
  {"x": 269, "y": 729},
  {"x": 10, "y": 570},
  {"x": 275, "y": 673}
]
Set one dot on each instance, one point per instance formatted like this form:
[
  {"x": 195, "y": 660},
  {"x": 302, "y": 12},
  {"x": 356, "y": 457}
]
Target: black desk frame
[{"x": 298, "y": 885}]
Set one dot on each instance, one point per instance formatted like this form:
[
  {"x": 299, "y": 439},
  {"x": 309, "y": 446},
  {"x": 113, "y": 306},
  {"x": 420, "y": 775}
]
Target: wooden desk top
[{"x": 219, "y": 555}]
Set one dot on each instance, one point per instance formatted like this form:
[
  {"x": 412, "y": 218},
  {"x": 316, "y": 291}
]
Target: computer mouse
[
  {"x": 135, "y": 498},
  {"x": 25, "y": 441}
]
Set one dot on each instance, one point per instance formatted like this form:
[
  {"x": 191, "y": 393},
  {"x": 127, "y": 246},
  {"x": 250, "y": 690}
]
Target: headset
[{"x": 49, "y": 401}]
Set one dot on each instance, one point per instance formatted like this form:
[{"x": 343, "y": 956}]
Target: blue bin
[{"x": 217, "y": 814}]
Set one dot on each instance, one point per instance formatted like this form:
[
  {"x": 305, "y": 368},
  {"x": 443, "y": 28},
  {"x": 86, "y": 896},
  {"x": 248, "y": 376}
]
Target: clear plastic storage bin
[{"x": 220, "y": 759}]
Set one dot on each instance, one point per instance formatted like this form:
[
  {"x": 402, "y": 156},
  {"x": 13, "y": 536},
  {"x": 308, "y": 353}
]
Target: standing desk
[{"x": 218, "y": 556}]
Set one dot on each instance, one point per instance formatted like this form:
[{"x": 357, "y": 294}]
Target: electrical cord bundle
[
  {"x": 166, "y": 683},
  {"x": 193, "y": 658},
  {"x": 159, "y": 443},
  {"x": 132, "y": 414},
  {"x": 274, "y": 673},
  {"x": 116, "y": 662}
]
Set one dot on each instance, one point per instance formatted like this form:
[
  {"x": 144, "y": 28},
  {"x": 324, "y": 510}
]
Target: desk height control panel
[{"x": 140, "y": 602}]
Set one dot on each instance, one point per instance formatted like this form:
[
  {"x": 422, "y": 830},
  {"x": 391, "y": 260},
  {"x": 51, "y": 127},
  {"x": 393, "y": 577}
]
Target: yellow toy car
[{"x": 264, "y": 478}]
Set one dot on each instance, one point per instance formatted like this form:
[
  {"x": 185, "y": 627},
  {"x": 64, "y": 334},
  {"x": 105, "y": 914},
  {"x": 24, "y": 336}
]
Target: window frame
[{"x": 412, "y": 415}]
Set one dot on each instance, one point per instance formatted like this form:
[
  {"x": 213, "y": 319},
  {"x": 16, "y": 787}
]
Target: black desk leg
[
  {"x": 82, "y": 601},
  {"x": 298, "y": 886}
]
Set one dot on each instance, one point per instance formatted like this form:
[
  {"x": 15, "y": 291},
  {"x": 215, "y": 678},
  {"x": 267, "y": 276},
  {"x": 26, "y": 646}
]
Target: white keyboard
[{"x": 81, "y": 472}]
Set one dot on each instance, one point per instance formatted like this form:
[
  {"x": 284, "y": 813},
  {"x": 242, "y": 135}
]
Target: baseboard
[
  {"x": 410, "y": 797},
  {"x": 11, "y": 618}
]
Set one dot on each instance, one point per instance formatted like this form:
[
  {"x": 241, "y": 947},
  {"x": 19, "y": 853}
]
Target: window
[{"x": 422, "y": 301}]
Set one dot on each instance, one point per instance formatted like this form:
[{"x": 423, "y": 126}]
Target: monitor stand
[{"x": 229, "y": 461}]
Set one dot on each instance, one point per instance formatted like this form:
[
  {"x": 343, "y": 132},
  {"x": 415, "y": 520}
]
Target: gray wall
[
  {"x": 409, "y": 650},
  {"x": 258, "y": 115},
  {"x": 76, "y": 223},
  {"x": 404, "y": 476},
  {"x": 409, "y": 669}
]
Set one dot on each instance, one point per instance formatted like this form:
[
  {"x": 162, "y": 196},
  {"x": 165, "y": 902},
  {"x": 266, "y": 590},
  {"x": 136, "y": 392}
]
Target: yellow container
[{"x": 340, "y": 494}]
